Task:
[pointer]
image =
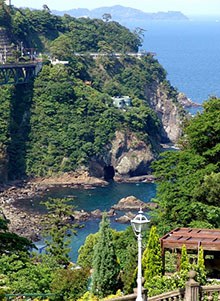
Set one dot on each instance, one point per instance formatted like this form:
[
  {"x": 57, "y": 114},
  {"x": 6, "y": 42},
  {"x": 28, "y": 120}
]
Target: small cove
[{"x": 90, "y": 199}]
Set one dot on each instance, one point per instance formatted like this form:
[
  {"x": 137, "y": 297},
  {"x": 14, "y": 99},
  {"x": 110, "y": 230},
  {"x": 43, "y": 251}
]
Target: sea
[
  {"x": 101, "y": 197},
  {"x": 190, "y": 53}
]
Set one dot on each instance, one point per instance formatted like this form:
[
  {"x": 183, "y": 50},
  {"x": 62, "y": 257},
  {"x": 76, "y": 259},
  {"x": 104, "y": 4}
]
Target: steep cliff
[{"x": 168, "y": 110}]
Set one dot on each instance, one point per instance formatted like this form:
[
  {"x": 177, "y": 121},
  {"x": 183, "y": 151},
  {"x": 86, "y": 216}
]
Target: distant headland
[{"x": 121, "y": 13}]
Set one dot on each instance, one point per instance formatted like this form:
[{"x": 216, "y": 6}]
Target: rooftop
[{"x": 192, "y": 238}]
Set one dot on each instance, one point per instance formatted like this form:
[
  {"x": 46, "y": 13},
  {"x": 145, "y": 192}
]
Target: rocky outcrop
[
  {"x": 167, "y": 111},
  {"x": 138, "y": 179},
  {"x": 186, "y": 102},
  {"x": 130, "y": 156},
  {"x": 127, "y": 156},
  {"x": 132, "y": 203},
  {"x": 125, "y": 219}
]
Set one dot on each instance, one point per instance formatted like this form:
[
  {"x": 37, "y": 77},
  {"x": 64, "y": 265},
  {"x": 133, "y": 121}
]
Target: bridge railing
[{"x": 210, "y": 292}]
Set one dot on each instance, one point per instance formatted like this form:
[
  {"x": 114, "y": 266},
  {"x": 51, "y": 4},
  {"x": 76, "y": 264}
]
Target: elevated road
[{"x": 18, "y": 73}]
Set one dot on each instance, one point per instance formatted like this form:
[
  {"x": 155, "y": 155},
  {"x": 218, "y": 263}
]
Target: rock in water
[{"x": 132, "y": 203}]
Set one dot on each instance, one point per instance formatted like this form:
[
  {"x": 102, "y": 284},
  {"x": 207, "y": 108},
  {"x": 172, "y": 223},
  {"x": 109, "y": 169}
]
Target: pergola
[{"x": 208, "y": 239}]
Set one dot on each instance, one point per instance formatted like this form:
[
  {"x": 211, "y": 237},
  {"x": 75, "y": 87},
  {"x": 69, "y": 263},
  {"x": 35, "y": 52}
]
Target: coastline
[{"x": 29, "y": 224}]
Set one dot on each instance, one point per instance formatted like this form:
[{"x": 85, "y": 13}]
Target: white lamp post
[{"x": 139, "y": 225}]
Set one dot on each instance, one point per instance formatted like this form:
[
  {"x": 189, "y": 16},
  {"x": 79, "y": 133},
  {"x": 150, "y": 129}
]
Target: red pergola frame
[{"x": 192, "y": 238}]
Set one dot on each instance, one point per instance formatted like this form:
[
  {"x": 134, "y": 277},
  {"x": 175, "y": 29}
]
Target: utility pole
[{"x": 5, "y": 52}]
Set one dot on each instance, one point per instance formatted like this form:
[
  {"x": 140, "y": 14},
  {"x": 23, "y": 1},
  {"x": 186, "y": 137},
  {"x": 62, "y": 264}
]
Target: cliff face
[
  {"x": 166, "y": 110},
  {"x": 127, "y": 156}
]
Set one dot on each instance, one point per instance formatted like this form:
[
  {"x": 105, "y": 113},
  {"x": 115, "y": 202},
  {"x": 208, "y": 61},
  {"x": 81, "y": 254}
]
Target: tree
[
  {"x": 106, "y": 17},
  {"x": 105, "y": 264},
  {"x": 70, "y": 283},
  {"x": 200, "y": 267},
  {"x": 86, "y": 252},
  {"x": 184, "y": 262},
  {"x": 209, "y": 190},
  {"x": 152, "y": 257},
  {"x": 46, "y": 8},
  {"x": 201, "y": 261},
  {"x": 139, "y": 32},
  {"x": 11, "y": 243},
  {"x": 130, "y": 267},
  {"x": 59, "y": 229},
  {"x": 188, "y": 184}
]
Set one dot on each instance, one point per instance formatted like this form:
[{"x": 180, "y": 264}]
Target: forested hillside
[
  {"x": 65, "y": 118},
  {"x": 189, "y": 185}
]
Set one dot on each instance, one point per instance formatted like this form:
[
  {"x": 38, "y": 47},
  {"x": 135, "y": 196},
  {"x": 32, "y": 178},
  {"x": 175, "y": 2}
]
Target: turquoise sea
[
  {"x": 90, "y": 199},
  {"x": 190, "y": 52}
]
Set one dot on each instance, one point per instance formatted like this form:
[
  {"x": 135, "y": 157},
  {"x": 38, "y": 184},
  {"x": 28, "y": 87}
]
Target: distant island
[{"x": 121, "y": 13}]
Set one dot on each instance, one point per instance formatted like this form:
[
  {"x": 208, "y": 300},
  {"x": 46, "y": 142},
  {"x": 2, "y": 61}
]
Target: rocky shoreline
[{"x": 29, "y": 224}]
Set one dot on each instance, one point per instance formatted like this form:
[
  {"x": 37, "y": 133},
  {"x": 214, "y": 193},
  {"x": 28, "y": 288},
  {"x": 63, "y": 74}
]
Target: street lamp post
[{"x": 139, "y": 225}]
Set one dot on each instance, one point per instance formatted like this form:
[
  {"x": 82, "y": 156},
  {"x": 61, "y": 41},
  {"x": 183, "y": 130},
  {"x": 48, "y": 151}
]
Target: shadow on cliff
[{"x": 19, "y": 130}]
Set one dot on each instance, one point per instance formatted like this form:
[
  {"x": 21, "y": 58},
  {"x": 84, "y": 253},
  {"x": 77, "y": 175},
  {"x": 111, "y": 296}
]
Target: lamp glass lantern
[{"x": 139, "y": 223}]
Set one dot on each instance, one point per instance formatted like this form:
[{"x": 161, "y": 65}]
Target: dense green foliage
[
  {"x": 58, "y": 123},
  {"x": 70, "y": 283},
  {"x": 86, "y": 251},
  {"x": 125, "y": 244},
  {"x": 160, "y": 284},
  {"x": 25, "y": 276},
  {"x": 47, "y": 273},
  {"x": 64, "y": 123},
  {"x": 41, "y": 274},
  {"x": 91, "y": 297},
  {"x": 38, "y": 28},
  {"x": 58, "y": 229},
  {"x": 105, "y": 264},
  {"x": 121, "y": 241},
  {"x": 187, "y": 191},
  {"x": 152, "y": 257},
  {"x": 11, "y": 243}
]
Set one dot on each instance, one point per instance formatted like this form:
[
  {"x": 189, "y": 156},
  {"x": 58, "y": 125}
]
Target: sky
[{"x": 188, "y": 7}]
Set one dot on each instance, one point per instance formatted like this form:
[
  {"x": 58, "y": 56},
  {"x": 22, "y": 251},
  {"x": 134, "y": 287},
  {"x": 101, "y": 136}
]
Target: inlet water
[{"x": 90, "y": 199}]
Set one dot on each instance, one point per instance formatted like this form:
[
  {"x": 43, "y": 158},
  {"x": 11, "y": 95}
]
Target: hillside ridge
[{"x": 122, "y": 13}]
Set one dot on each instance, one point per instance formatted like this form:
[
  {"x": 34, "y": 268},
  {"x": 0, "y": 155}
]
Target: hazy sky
[{"x": 188, "y": 7}]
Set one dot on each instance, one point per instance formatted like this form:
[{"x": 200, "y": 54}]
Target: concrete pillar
[{"x": 192, "y": 288}]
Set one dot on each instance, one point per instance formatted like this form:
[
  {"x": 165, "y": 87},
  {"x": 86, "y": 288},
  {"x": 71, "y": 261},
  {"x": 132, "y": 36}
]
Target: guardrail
[{"x": 9, "y": 296}]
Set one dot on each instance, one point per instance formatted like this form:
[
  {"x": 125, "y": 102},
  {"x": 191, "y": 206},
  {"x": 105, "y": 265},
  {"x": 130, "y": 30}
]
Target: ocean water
[
  {"x": 190, "y": 53},
  {"x": 90, "y": 199}
]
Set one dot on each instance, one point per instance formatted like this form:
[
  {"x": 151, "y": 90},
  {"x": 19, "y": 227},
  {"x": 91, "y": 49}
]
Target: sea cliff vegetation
[
  {"x": 189, "y": 180},
  {"x": 58, "y": 122}
]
